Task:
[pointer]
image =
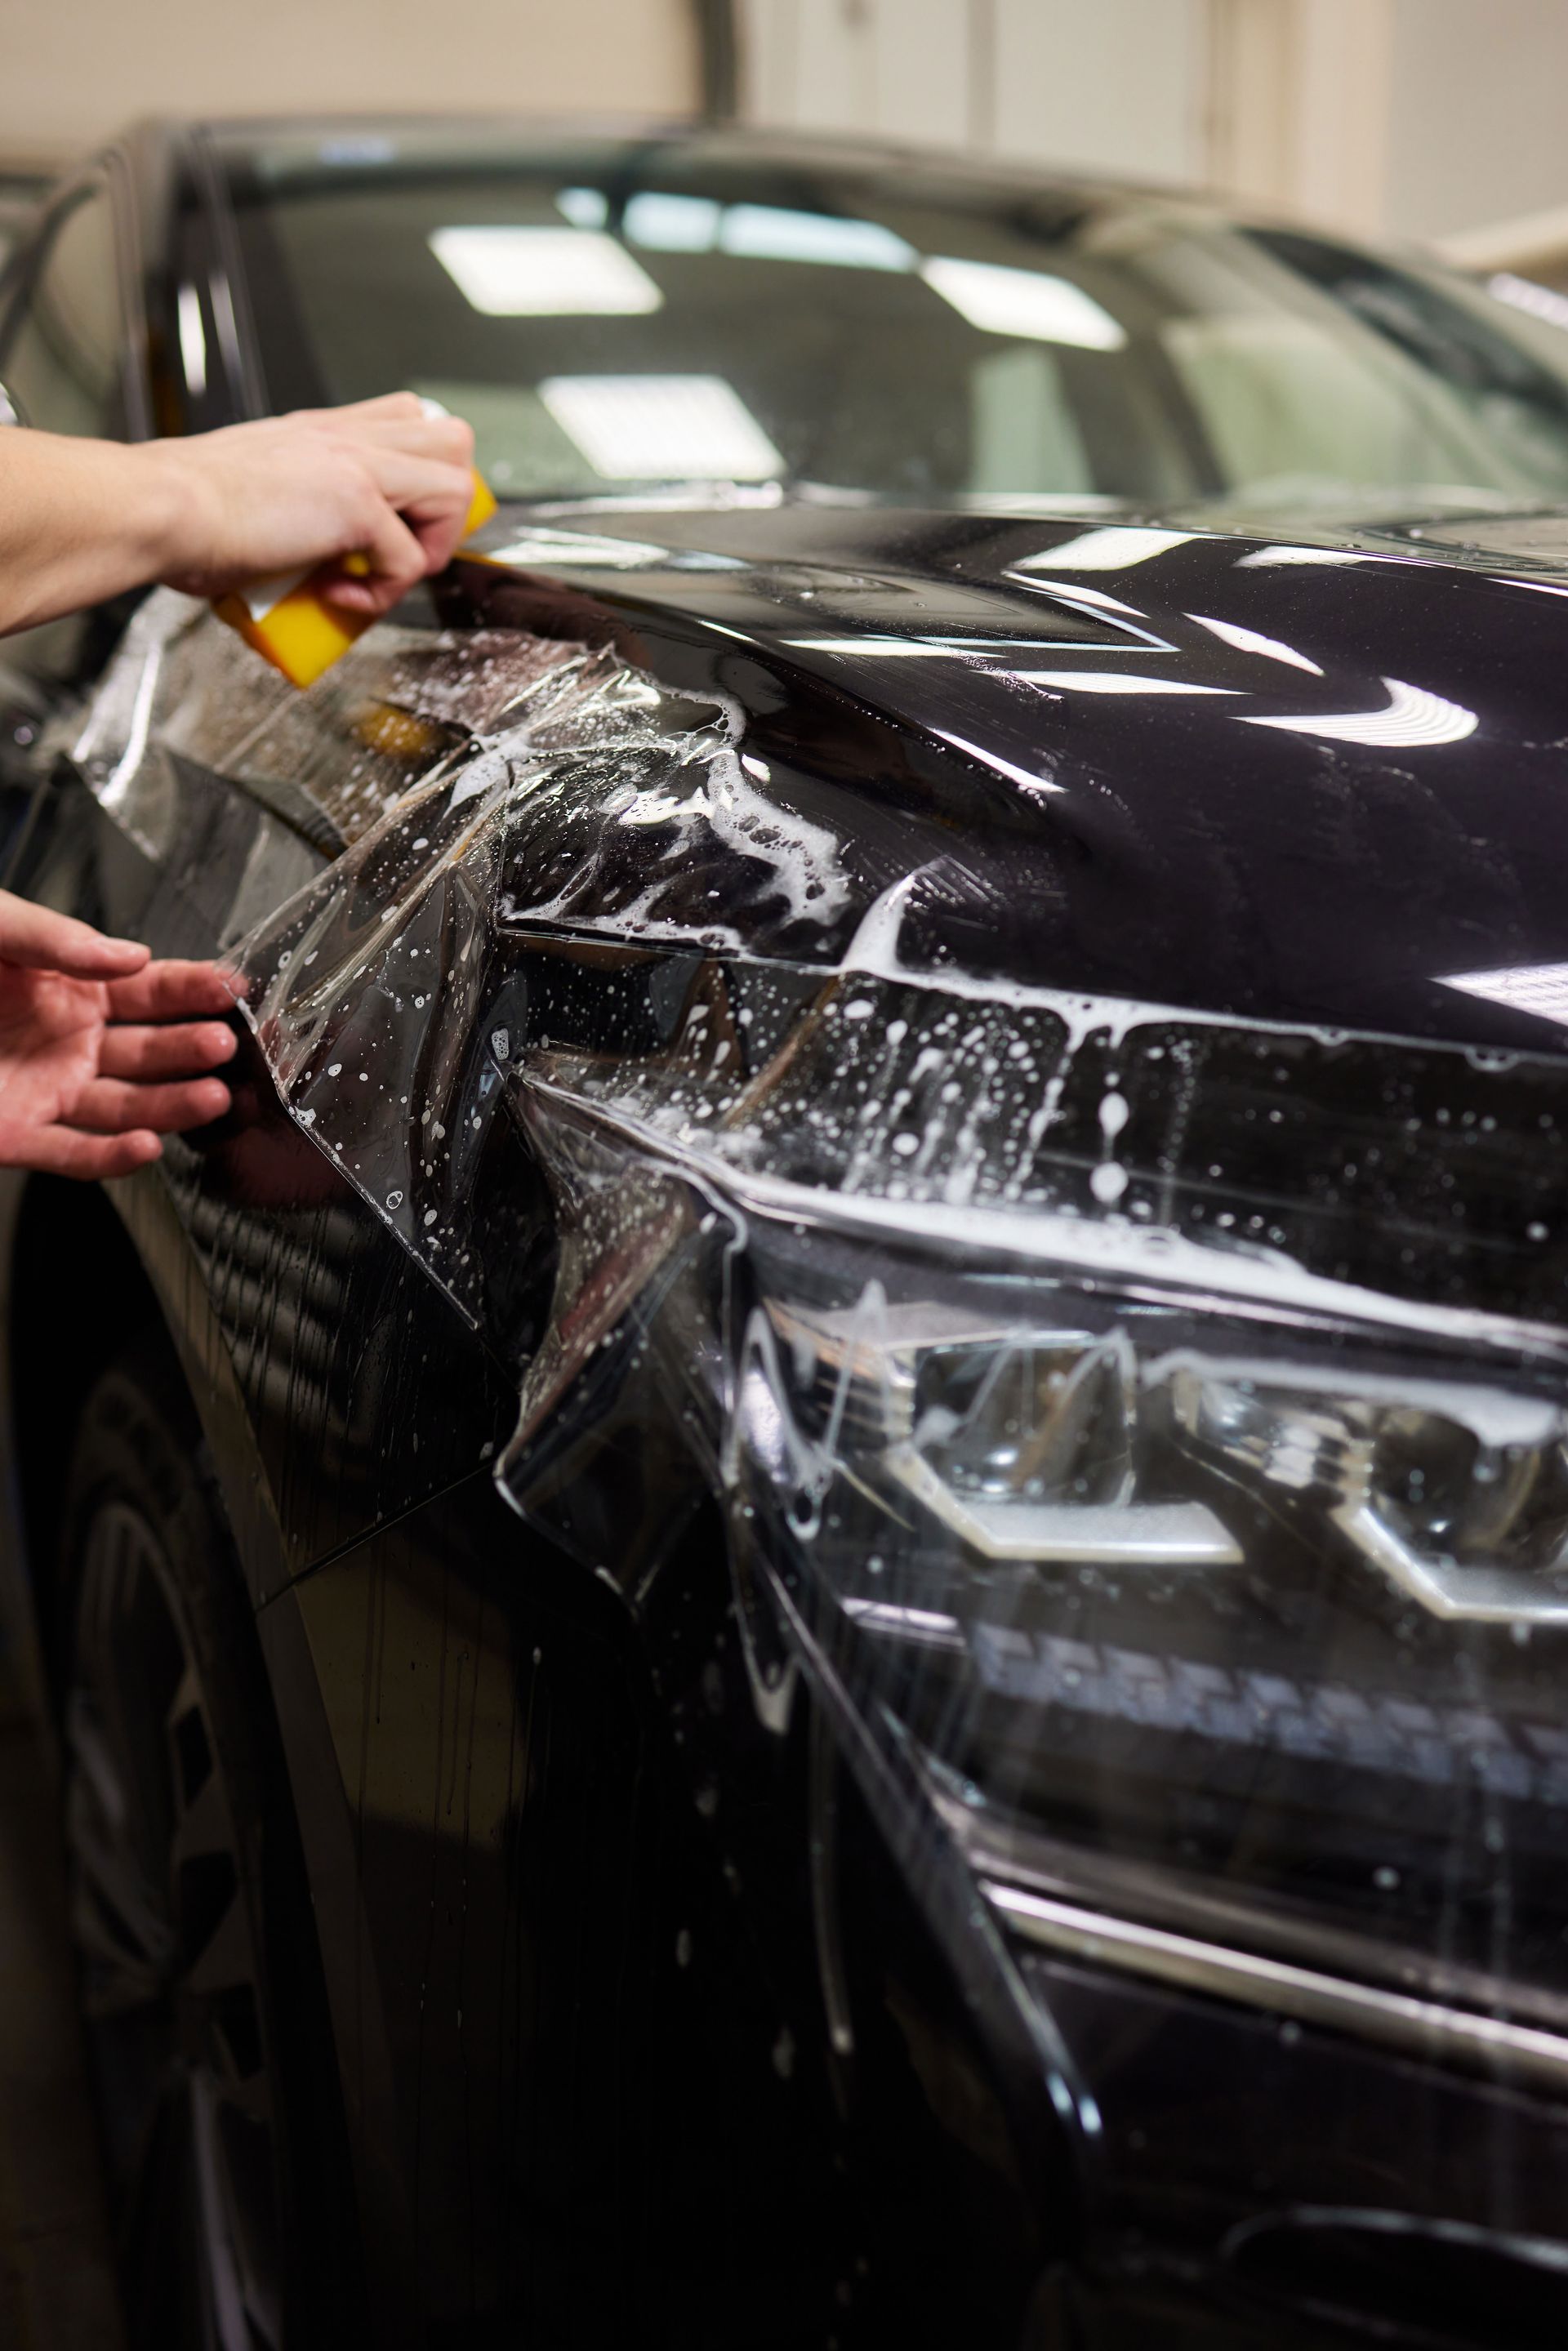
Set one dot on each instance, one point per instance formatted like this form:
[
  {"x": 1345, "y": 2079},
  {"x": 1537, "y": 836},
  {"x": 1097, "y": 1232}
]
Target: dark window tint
[{"x": 61, "y": 358}]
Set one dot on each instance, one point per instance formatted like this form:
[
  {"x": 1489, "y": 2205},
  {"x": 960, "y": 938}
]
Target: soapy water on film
[
  {"x": 577, "y": 994},
  {"x": 487, "y": 786},
  {"x": 737, "y": 1000}
]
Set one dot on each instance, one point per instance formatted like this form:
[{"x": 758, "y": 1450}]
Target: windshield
[{"x": 612, "y": 316}]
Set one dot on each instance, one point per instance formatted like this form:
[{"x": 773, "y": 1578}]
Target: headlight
[
  {"x": 1023, "y": 1445},
  {"x": 1458, "y": 1495},
  {"x": 1185, "y": 1615}
]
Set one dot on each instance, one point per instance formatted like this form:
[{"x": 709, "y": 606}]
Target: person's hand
[
  {"x": 101, "y": 1050},
  {"x": 374, "y": 496},
  {"x": 382, "y": 480}
]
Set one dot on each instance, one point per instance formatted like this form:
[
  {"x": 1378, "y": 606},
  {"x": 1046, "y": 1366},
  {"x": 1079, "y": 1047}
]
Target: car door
[{"x": 66, "y": 366}]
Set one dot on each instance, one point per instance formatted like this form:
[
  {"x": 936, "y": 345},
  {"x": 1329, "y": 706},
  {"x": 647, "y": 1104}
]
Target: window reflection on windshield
[{"x": 612, "y": 314}]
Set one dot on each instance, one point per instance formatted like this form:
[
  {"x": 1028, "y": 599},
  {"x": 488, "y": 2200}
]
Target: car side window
[{"x": 60, "y": 356}]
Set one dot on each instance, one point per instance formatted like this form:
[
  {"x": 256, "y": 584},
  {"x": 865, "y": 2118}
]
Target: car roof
[{"x": 372, "y": 141}]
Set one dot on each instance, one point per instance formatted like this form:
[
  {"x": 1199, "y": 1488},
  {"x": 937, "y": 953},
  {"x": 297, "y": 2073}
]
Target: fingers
[
  {"x": 185, "y": 1051},
  {"x": 398, "y": 424},
  {"x": 62, "y": 1151},
  {"x": 152, "y": 1079},
  {"x": 406, "y": 479},
  {"x": 440, "y": 531},
  {"x": 112, "y": 1106},
  {"x": 399, "y": 420},
  {"x": 38, "y": 939},
  {"x": 441, "y": 439},
  {"x": 397, "y": 564},
  {"x": 432, "y": 504},
  {"x": 416, "y": 490},
  {"x": 383, "y": 404},
  {"x": 311, "y": 489},
  {"x": 423, "y": 467},
  {"x": 173, "y": 990}
]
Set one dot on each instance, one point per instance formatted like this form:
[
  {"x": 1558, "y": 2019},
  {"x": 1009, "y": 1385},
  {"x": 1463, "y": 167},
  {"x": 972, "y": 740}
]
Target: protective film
[{"x": 1141, "y": 1433}]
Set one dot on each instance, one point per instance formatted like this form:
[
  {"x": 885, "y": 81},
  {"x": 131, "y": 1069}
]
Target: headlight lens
[{"x": 1271, "y": 1608}]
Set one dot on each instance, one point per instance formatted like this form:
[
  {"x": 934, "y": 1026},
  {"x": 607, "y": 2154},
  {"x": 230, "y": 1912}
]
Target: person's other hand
[
  {"x": 381, "y": 479},
  {"x": 101, "y": 1050}
]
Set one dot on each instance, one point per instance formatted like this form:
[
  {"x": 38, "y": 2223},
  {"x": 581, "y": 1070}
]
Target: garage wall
[
  {"x": 1117, "y": 86},
  {"x": 1417, "y": 117},
  {"x": 1479, "y": 126},
  {"x": 71, "y": 71},
  {"x": 1284, "y": 101}
]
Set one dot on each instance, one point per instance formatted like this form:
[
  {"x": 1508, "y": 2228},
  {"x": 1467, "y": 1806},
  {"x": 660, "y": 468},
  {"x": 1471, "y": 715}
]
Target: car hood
[{"x": 1293, "y": 778}]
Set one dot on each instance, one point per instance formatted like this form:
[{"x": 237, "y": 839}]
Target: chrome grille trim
[{"x": 1420, "y": 2028}]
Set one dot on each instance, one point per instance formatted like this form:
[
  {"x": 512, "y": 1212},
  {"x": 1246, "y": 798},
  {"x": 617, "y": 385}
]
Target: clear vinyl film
[{"x": 1091, "y": 1393}]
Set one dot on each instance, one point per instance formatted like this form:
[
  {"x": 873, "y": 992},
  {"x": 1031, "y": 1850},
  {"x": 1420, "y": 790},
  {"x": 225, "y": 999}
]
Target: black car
[{"x": 812, "y": 1590}]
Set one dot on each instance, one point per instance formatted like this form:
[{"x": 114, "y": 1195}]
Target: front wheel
[{"x": 185, "y": 1884}]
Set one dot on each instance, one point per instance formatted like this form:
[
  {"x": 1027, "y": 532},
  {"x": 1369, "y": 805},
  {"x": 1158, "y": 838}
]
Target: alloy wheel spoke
[
  {"x": 224, "y": 2280},
  {"x": 162, "y": 1927},
  {"x": 124, "y": 1935}
]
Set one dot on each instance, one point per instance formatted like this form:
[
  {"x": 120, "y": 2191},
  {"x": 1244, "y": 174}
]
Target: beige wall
[
  {"x": 71, "y": 71},
  {"x": 1283, "y": 101},
  {"x": 1417, "y": 117},
  {"x": 1481, "y": 124},
  {"x": 1103, "y": 85}
]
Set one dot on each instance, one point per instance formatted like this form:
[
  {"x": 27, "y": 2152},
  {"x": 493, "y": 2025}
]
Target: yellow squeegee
[{"x": 290, "y": 622}]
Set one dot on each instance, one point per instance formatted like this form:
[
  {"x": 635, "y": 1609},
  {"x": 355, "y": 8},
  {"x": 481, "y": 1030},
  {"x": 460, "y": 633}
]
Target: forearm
[{"x": 83, "y": 520}]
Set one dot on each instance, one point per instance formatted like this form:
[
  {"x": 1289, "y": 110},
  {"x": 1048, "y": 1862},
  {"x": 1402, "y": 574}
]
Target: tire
[{"x": 187, "y": 1891}]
